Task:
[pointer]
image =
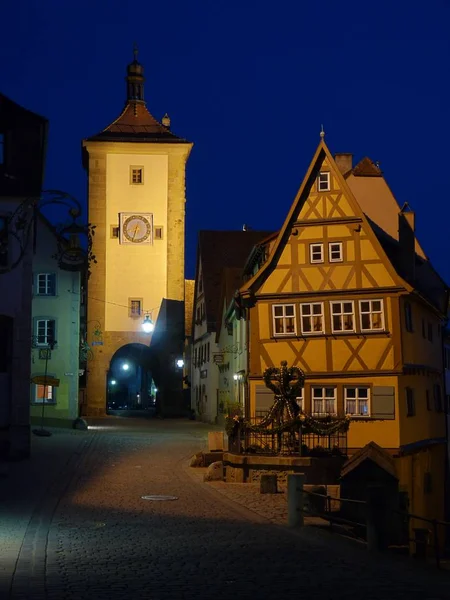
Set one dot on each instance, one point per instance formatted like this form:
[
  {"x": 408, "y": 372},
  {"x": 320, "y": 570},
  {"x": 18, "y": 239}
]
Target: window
[
  {"x": 371, "y": 315},
  {"x": 356, "y": 401},
  {"x": 207, "y": 352},
  {"x": 195, "y": 357},
  {"x": 312, "y": 318},
  {"x": 335, "y": 252},
  {"x": 114, "y": 231},
  {"x": 427, "y": 395},
  {"x": 408, "y": 317},
  {"x": 430, "y": 332},
  {"x": 410, "y": 404},
  {"x": 447, "y": 357},
  {"x": 2, "y": 148},
  {"x": 137, "y": 175},
  {"x": 424, "y": 333},
  {"x": 299, "y": 399},
  {"x": 45, "y": 284},
  {"x": 437, "y": 397},
  {"x": 316, "y": 253},
  {"x": 323, "y": 182},
  {"x": 45, "y": 331},
  {"x": 284, "y": 319},
  {"x": 342, "y": 316},
  {"x": 323, "y": 401},
  {"x": 44, "y": 394},
  {"x": 158, "y": 233},
  {"x": 135, "y": 305}
]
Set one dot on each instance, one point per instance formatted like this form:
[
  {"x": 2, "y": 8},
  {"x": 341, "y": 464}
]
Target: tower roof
[{"x": 136, "y": 123}]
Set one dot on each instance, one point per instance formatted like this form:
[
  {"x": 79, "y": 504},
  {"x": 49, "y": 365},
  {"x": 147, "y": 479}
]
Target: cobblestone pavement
[{"x": 94, "y": 537}]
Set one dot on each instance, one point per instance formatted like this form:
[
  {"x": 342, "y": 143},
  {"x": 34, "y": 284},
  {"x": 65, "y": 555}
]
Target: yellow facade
[{"x": 330, "y": 301}]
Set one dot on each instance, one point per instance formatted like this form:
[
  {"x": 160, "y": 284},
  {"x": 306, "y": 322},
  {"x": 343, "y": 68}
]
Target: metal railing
[{"x": 425, "y": 540}]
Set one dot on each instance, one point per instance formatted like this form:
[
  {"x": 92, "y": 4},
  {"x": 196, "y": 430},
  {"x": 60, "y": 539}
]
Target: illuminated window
[
  {"x": 323, "y": 182},
  {"x": 136, "y": 175},
  {"x": 342, "y": 316},
  {"x": 44, "y": 394},
  {"x": 356, "y": 400},
  {"x": 316, "y": 253},
  {"x": 311, "y": 318},
  {"x": 324, "y": 401},
  {"x": 371, "y": 315},
  {"x": 284, "y": 319}
]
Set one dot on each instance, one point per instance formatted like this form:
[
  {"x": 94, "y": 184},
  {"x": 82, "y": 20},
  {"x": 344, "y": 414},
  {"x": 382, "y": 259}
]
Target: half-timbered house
[{"x": 348, "y": 295}]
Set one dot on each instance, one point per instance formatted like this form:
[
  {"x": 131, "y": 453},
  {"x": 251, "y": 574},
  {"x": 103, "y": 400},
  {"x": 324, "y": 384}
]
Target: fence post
[
  {"x": 295, "y": 483},
  {"x": 377, "y": 519}
]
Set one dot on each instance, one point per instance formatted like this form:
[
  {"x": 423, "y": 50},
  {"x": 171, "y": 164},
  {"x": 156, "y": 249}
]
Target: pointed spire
[
  {"x": 166, "y": 121},
  {"x": 135, "y": 79},
  {"x": 322, "y": 132}
]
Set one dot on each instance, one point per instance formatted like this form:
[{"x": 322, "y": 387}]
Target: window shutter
[
  {"x": 383, "y": 402},
  {"x": 263, "y": 400}
]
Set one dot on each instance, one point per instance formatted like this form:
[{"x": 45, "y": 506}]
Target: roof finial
[
  {"x": 135, "y": 51},
  {"x": 322, "y": 132}
]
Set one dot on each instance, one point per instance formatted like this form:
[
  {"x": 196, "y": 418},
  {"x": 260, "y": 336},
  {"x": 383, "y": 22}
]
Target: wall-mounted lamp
[
  {"x": 113, "y": 382},
  {"x": 147, "y": 324},
  {"x": 180, "y": 363},
  {"x": 125, "y": 366}
]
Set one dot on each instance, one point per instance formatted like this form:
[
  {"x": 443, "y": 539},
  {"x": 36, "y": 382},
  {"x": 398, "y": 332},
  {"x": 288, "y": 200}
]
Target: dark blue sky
[{"x": 250, "y": 84}]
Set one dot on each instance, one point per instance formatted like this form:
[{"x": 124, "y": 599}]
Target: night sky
[{"x": 250, "y": 83}]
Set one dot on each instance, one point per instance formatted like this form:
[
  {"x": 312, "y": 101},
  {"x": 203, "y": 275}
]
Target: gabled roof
[
  {"x": 373, "y": 452},
  {"x": 427, "y": 282},
  {"x": 231, "y": 282},
  {"x": 217, "y": 250},
  {"x": 136, "y": 124}
]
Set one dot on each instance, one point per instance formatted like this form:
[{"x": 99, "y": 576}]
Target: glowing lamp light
[
  {"x": 125, "y": 366},
  {"x": 147, "y": 325},
  {"x": 180, "y": 363},
  {"x": 235, "y": 376},
  {"x": 113, "y": 382}
]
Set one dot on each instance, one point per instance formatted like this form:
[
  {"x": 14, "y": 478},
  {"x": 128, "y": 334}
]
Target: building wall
[
  {"x": 15, "y": 303},
  {"x": 150, "y": 272},
  {"x": 64, "y": 307}
]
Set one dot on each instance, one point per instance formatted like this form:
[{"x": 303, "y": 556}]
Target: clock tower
[{"x": 136, "y": 199}]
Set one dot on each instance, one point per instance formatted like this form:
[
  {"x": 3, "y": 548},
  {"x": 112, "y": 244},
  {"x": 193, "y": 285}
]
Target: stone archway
[{"x": 130, "y": 383}]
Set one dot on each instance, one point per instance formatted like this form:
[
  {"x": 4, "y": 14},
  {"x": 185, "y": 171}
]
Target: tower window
[
  {"x": 114, "y": 231},
  {"x": 136, "y": 175},
  {"x": 135, "y": 307},
  {"x": 158, "y": 233}
]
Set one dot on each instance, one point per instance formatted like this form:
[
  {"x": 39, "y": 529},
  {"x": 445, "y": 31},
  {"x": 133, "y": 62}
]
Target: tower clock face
[{"x": 135, "y": 228}]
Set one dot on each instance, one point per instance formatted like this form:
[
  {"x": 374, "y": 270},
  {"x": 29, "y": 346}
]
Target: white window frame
[
  {"x": 330, "y": 252},
  {"x": 135, "y": 314},
  {"x": 311, "y": 316},
  {"x": 50, "y": 394},
  {"x": 313, "y": 248},
  {"x": 341, "y": 313},
  {"x": 323, "y": 399},
  {"x": 46, "y": 321},
  {"x": 357, "y": 400},
  {"x": 283, "y": 317},
  {"x": 371, "y": 313},
  {"x": 300, "y": 399},
  {"x": 48, "y": 277},
  {"x": 324, "y": 186}
]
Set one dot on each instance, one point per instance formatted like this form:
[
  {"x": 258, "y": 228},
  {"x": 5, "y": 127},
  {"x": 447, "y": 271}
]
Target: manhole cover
[{"x": 160, "y": 498}]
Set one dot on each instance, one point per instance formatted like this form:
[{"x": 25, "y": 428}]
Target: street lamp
[
  {"x": 147, "y": 325},
  {"x": 113, "y": 382},
  {"x": 125, "y": 366},
  {"x": 180, "y": 363}
]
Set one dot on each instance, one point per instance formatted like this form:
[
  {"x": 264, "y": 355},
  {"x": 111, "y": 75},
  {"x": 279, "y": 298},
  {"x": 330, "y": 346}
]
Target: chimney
[
  {"x": 344, "y": 161},
  {"x": 407, "y": 240}
]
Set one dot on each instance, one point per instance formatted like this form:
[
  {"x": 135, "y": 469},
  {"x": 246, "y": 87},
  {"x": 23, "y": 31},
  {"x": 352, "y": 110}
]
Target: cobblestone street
[{"x": 93, "y": 536}]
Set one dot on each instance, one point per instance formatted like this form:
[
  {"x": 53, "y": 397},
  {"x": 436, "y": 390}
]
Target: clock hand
[{"x": 135, "y": 231}]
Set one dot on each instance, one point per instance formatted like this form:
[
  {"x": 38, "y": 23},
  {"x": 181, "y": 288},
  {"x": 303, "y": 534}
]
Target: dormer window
[{"x": 323, "y": 182}]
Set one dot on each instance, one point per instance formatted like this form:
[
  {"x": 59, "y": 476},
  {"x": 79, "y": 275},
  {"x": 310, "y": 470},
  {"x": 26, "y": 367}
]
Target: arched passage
[{"x": 130, "y": 382}]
